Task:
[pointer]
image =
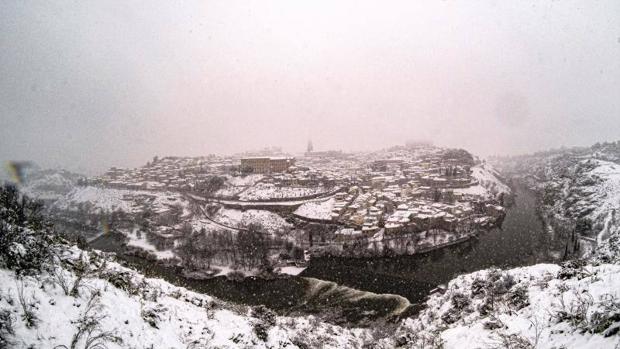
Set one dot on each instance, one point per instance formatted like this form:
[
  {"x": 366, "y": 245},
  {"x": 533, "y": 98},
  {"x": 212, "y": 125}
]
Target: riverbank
[
  {"x": 284, "y": 293},
  {"x": 521, "y": 240}
]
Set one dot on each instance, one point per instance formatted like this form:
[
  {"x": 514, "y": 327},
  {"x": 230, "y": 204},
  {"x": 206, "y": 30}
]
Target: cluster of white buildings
[{"x": 411, "y": 191}]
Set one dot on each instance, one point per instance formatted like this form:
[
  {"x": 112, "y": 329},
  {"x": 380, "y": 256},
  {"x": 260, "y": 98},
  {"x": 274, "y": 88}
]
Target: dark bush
[
  {"x": 6, "y": 328},
  {"x": 25, "y": 236},
  {"x": 299, "y": 341},
  {"x": 451, "y": 316},
  {"x": 120, "y": 280},
  {"x": 264, "y": 314},
  {"x": 235, "y": 276},
  {"x": 606, "y": 320},
  {"x": 571, "y": 269},
  {"x": 601, "y": 322},
  {"x": 403, "y": 341},
  {"x": 261, "y": 331},
  {"x": 486, "y": 307},
  {"x": 153, "y": 316},
  {"x": 499, "y": 282},
  {"x": 492, "y": 325},
  {"x": 479, "y": 287},
  {"x": 519, "y": 298},
  {"x": 265, "y": 320},
  {"x": 459, "y": 301}
]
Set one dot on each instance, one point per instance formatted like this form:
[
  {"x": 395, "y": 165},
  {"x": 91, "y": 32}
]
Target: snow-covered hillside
[
  {"x": 489, "y": 182},
  {"x": 596, "y": 195},
  {"x": 49, "y": 185},
  {"x": 55, "y": 295},
  {"x": 579, "y": 191},
  {"x": 316, "y": 210},
  {"x": 120, "y": 308},
  {"x": 542, "y": 306},
  {"x": 235, "y": 185},
  {"x": 126, "y": 200}
]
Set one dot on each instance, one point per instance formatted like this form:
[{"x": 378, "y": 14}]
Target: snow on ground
[
  {"x": 129, "y": 201},
  {"x": 478, "y": 190},
  {"x": 268, "y": 191},
  {"x": 143, "y": 243},
  {"x": 248, "y": 180},
  {"x": 236, "y": 184},
  {"x": 586, "y": 190},
  {"x": 270, "y": 221},
  {"x": 103, "y": 198},
  {"x": 151, "y": 313},
  {"x": 48, "y": 185},
  {"x": 200, "y": 223},
  {"x": 316, "y": 210},
  {"x": 220, "y": 270},
  {"x": 272, "y": 203},
  {"x": 488, "y": 178},
  {"x": 522, "y": 308},
  {"x": 606, "y": 196},
  {"x": 291, "y": 270}
]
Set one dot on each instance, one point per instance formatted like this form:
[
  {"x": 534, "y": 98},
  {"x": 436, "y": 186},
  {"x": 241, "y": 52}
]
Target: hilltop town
[{"x": 402, "y": 200}]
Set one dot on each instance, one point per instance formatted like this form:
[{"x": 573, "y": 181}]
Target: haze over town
[{"x": 85, "y": 88}]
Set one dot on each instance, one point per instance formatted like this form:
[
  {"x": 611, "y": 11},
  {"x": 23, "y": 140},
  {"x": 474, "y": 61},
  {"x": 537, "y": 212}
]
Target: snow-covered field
[
  {"x": 291, "y": 270},
  {"x": 246, "y": 181},
  {"x": 137, "y": 239},
  {"x": 236, "y": 184},
  {"x": 266, "y": 191},
  {"x": 236, "y": 218},
  {"x": 316, "y": 210},
  {"x": 129, "y": 201},
  {"x": 105, "y": 199}
]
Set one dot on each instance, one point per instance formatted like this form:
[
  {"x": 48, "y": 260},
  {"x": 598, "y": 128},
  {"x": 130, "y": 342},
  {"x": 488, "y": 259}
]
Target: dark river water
[
  {"x": 362, "y": 291},
  {"x": 522, "y": 240}
]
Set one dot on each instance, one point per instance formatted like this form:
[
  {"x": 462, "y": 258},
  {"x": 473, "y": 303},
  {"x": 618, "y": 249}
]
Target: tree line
[{"x": 249, "y": 248}]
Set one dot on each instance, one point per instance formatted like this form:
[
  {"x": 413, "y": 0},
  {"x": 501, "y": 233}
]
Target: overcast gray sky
[{"x": 92, "y": 84}]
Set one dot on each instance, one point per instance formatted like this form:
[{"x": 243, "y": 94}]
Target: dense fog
[{"x": 88, "y": 85}]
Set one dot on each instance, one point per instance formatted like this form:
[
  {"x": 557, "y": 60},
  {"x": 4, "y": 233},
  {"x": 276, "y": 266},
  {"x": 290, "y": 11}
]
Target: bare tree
[
  {"x": 29, "y": 317},
  {"x": 89, "y": 327},
  {"x": 83, "y": 268}
]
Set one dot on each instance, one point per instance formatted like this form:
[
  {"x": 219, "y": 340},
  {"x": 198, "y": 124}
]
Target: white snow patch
[{"x": 316, "y": 210}]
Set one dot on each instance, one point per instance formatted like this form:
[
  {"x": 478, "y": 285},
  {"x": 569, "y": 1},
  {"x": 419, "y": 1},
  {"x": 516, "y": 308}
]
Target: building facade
[{"x": 267, "y": 164}]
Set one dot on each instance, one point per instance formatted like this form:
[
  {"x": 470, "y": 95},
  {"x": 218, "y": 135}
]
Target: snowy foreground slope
[
  {"x": 541, "y": 306},
  {"x": 126, "y": 310},
  {"x": 55, "y": 295},
  {"x": 576, "y": 305}
]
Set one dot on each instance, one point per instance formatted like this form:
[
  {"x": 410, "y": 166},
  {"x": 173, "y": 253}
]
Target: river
[
  {"x": 362, "y": 291},
  {"x": 521, "y": 240}
]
